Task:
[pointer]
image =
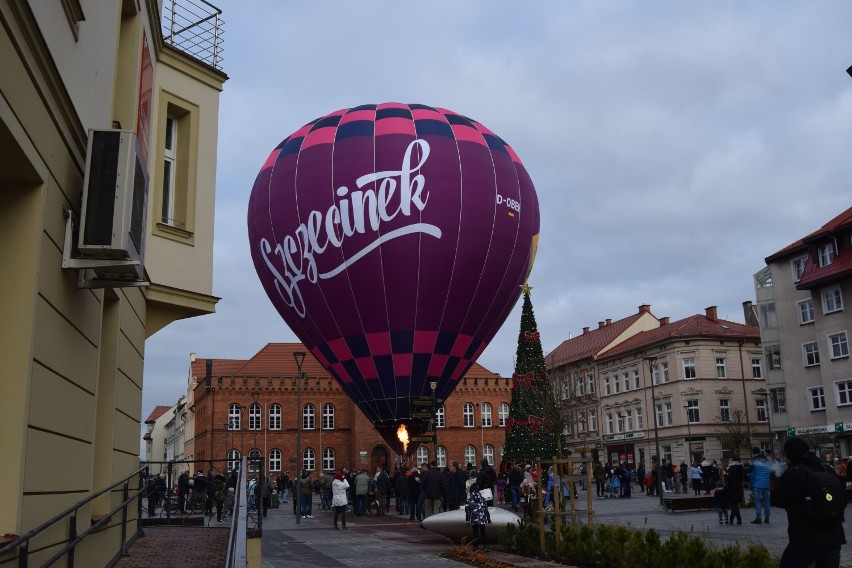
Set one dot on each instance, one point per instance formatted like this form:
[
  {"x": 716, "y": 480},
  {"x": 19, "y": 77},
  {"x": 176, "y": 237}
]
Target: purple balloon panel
[{"x": 393, "y": 239}]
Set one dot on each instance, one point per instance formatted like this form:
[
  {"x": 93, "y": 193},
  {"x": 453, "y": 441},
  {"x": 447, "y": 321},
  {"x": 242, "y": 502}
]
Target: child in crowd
[{"x": 721, "y": 501}]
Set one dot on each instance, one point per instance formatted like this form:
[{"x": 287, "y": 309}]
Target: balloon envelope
[{"x": 393, "y": 239}]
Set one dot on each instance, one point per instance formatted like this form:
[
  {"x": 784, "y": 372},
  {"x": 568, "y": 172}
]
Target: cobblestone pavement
[{"x": 392, "y": 540}]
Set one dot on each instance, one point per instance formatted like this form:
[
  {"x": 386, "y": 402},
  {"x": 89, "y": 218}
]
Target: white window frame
[
  {"x": 234, "y": 459},
  {"x": 843, "y": 392},
  {"x": 810, "y": 354},
  {"x": 441, "y": 458},
  {"x": 778, "y": 396},
  {"x": 832, "y": 300},
  {"x": 610, "y": 428},
  {"x": 235, "y": 415},
  {"x": 721, "y": 367},
  {"x": 725, "y": 409},
  {"x": 826, "y": 253},
  {"x": 756, "y": 368},
  {"x": 616, "y": 383},
  {"x": 669, "y": 416},
  {"x": 640, "y": 424},
  {"x": 328, "y": 416},
  {"x": 590, "y": 381},
  {"x": 255, "y": 417},
  {"x": 254, "y": 457},
  {"x": 664, "y": 367},
  {"x": 275, "y": 460},
  {"x": 592, "y": 420},
  {"x": 628, "y": 419},
  {"x": 625, "y": 376},
  {"x": 502, "y": 414},
  {"x": 606, "y": 385},
  {"x": 470, "y": 454},
  {"x": 797, "y": 265},
  {"x": 690, "y": 363},
  {"x": 308, "y": 417},
  {"x": 169, "y": 170},
  {"x": 816, "y": 398},
  {"x": 693, "y": 412},
  {"x": 488, "y": 453},
  {"x": 805, "y": 311},
  {"x": 309, "y": 459},
  {"x": 485, "y": 415},
  {"x": 275, "y": 416},
  {"x": 422, "y": 455},
  {"x": 762, "y": 410},
  {"x": 440, "y": 417},
  {"x": 328, "y": 460},
  {"x": 636, "y": 380},
  {"x": 838, "y": 344},
  {"x": 579, "y": 386},
  {"x": 467, "y": 415}
]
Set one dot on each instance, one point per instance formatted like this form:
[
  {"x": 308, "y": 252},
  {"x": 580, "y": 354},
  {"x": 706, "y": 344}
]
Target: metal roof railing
[{"x": 195, "y": 28}]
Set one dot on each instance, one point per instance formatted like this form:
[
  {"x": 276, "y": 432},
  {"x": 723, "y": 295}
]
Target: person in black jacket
[
  {"x": 809, "y": 541},
  {"x": 735, "y": 475},
  {"x": 456, "y": 487},
  {"x": 487, "y": 479}
]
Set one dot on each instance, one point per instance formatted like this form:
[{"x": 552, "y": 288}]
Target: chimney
[
  {"x": 664, "y": 321},
  {"x": 585, "y": 330},
  {"x": 601, "y": 324},
  {"x": 645, "y": 309},
  {"x": 748, "y": 312},
  {"x": 608, "y": 321},
  {"x": 710, "y": 313}
]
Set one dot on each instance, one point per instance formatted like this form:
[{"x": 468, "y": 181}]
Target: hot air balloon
[{"x": 392, "y": 239}]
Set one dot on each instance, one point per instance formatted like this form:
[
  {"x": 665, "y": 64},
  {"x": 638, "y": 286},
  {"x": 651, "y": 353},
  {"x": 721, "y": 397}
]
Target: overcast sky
[{"x": 673, "y": 145}]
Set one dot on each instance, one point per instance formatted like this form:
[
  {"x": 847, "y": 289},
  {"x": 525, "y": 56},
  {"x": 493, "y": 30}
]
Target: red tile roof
[
  {"x": 158, "y": 411},
  {"x": 276, "y": 360},
  {"x": 589, "y": 344},
  {"x": 693, "y": 326},
  {"x": 842, "y": 221}
]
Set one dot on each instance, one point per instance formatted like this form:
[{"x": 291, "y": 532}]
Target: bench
[{"x": 674, "y": 504}]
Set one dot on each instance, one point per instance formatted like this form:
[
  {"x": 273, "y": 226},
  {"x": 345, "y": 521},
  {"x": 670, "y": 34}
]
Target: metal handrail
[
  {"x": 22, "y": 542},
  {"x": 195, "y": 28},
  {"x": 237, "y": 554}
]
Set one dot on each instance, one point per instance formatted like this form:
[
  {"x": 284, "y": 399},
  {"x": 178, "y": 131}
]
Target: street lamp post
[
  {"x": 255, "y": 395},
  {"x": 688, "y": 434},
  {"x": 652, "y": 362},
  {"x": 299, "y": 356},
  {"x": 433, "y": 385},
  {"x": 623, "y": 419}
]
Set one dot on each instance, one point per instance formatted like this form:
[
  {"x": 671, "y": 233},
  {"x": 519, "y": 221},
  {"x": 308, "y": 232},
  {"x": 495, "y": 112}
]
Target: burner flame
[{"x": 402, "y": 434}]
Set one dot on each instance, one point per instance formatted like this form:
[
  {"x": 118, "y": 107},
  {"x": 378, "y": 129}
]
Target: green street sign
[
  {"x": 838, "y": 428},
  {"x": 791, "y": 432}
]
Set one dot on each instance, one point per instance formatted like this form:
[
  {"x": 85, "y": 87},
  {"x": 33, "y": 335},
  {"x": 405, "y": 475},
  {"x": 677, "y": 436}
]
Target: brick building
[{"x": 250, "y": 407}]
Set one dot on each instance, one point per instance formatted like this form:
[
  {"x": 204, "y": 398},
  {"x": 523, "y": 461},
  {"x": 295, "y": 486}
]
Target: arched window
[
  {"x": 234, "y": 415},
  {"x": 255, "y": 417},
  {"x": 275, "y": 460},
  {"x": 254, "y": 459},
  {"x": 234, "y": 458},
  {"x": 275, "y": 417},
  {"x": 503, "y": 414},
  {"x": 328, "y": 416},
  {"x": 309, "y": 459},
  {"x": 485, "y": 414},
  {"x": 467, "y": 415},
  {"x": 308, "y": 417},
  {"x": 439, "y": 417},
  {"x": 422, "y": 455},
  {"x": 488, "y": 453},
  {"x": 328, "y": 460},
  {"x": 470, "y": 455},
  {"x": 442, "y": 456}
]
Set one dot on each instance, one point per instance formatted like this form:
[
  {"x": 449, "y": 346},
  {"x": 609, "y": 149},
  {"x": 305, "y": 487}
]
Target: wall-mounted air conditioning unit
[
  {"x": 115, "y": 195},
  {"x": 110, "y": 243}
]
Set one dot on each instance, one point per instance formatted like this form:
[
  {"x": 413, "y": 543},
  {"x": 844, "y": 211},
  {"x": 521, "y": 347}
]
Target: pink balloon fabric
[{"x": 393, "y": 239}]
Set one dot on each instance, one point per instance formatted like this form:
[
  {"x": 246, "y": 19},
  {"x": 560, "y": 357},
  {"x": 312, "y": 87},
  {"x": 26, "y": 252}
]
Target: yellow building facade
[{"x": 72, "y": 347}]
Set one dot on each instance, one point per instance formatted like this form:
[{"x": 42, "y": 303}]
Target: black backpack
[{"x": 825, "y": 496}]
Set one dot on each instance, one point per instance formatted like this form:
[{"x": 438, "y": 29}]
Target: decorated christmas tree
[{"x": 533, "y": 426}]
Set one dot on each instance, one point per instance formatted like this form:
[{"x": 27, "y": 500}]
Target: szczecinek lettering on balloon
[{"x": 294, "y": 258}]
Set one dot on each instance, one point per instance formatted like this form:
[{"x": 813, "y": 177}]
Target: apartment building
[
  {"x": 106, "y": 238},
  {"x": 634, "y": 383},
  {"x": 802, "y": 296}
]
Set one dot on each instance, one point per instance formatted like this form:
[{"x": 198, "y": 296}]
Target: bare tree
[{"x": 736, "y": 432}]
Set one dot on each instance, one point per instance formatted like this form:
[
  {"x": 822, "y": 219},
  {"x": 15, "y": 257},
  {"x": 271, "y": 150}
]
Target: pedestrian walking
[
  {"x": 339, "y": 499},
  {"x": 759, "y": 479},
  {"x": 477, "y": 516},
  {"x": 734, "y": 487}
]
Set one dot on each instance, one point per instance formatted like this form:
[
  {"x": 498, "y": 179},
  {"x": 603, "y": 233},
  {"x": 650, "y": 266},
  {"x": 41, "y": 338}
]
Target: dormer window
[{"x": 826, "y": 253}]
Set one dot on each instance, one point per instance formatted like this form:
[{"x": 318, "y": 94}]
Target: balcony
[{"x": 194, "y": 27}]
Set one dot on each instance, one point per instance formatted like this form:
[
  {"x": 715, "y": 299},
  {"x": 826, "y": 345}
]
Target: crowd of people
[{"x": 425, "y": 490}]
